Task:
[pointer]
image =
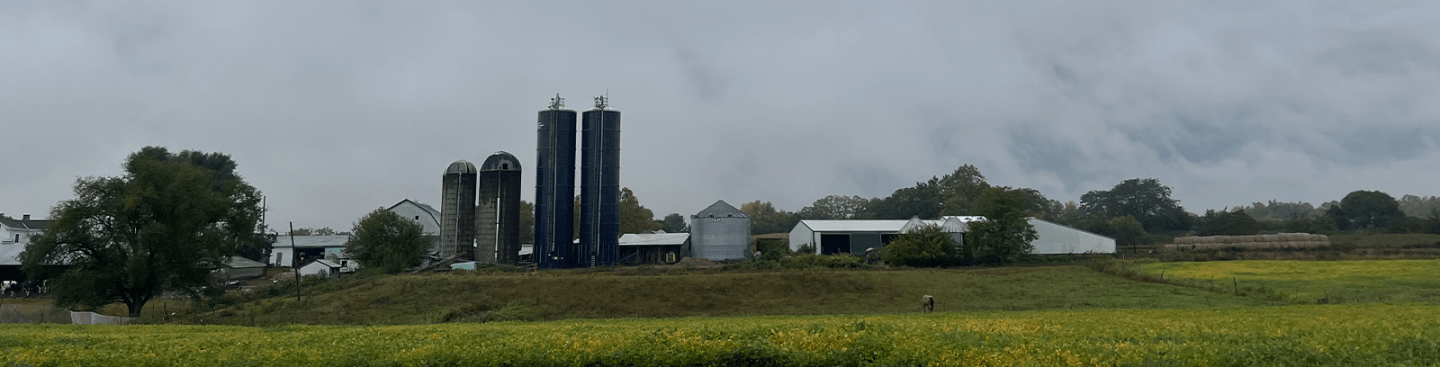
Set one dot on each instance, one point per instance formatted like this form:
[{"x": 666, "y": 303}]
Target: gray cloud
[{"x": 334, "y": 109}]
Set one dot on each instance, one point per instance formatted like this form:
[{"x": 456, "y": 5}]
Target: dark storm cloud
[{"x": 333, "y": 109}]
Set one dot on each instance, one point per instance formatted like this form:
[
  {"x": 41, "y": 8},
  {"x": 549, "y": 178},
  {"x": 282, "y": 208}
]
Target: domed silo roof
[
  {"x": 462, "y": 167},
  {"x": 501, "y": 161}
]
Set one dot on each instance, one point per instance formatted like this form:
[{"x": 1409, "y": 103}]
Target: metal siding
[
  {"x": 720, "y": 238},
  {"x": 599, "y": 188},
  {"x": 555, "y": 189},
  {"x": 457, "y": 215},
  {"x": 498, "y": 218}
]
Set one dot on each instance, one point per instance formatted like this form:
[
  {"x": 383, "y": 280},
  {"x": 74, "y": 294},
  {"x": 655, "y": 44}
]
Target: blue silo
[
  {"x": 555, "y": 187},
  {"x": 599, "y": 186}
]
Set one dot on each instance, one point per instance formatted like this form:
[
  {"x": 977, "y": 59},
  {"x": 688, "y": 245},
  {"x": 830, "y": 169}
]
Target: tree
[
  {"x": 926, "y": 246},
  {"x": 1146, "y": 200},
  {"x": 1126, "y": 231},
  {"x": 1005, "y": 234},
  {"x": 527, "y": 222},
  {"x": 834, "y": 207},
  {"x": 960, "y": 190},
  {"x": 634, "y": 218},
  {"x": 1366, "y": 209},
  {"x": 166, "y": 224},
  {"x": 674, "y": 223},
  {"x": 1227, "y": 223},
  {"x": 386, "y": 241},
  {"x": 765, "y": 219}
]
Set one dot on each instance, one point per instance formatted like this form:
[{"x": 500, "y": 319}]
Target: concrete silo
[
  {"x": 599, "y": 185},
  {"x": 497, "y": 229},
  {"x": 720, "y": 232},
  {"x": 457, "y": 211},
  {"x": 555, "y": 187}
]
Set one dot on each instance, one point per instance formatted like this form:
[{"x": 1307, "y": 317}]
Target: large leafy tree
[
  {"x": 166, "y": 224},
  {"x": 386, "y": 241},
  {"x": 674, "y": 223},
  {"x": 1227, "y": 223},
  {"x": 834, "y": 207},
  {"x": 1146, "y": 200},
  {"x": 1005, "y": 235},
  {"x": 1366, "y": 209},
  {"x": 926, "y": 246},
  {"x": 634, "y": 218},
  {"x": 764, "y": 218}
]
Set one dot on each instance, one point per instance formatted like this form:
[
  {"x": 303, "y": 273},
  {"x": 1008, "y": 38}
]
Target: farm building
[
  {"x": 1056, "y": 239},
  {"x": 843, "y": 236},
  {"x": 306, "y": 248},
  {"x": 241, "y": 268},
  {"x": 720, "y": 232},
  {"x": 653, "y": 248},
  {"x": 323, "y": 268},
  {"x": 855, "y": 236}
]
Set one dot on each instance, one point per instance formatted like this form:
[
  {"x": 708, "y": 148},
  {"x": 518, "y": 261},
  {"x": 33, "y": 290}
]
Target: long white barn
[{"x": 855, "y": 236}]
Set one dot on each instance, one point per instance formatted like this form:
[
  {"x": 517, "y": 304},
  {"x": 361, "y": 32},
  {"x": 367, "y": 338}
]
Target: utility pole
[{"x": 295, "y": 261}]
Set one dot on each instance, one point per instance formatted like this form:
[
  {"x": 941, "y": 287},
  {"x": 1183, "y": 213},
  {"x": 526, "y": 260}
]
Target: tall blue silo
[
  {"x": 555, "y": 187},
  {"x": 600, "y": 185}
]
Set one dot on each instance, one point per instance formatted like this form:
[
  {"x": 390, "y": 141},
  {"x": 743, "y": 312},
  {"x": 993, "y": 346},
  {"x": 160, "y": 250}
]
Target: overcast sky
[{"x": 333, "y": 109}]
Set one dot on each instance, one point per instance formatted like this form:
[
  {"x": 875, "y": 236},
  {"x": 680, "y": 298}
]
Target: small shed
[
  {"x": 322, "y": 267},
  {"x": 653, "y": 248},
  {"x": 239, "y": 267}
]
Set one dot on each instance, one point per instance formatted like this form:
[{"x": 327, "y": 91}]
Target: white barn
[
  {"x": 855, "y": 236},
  {"x": 1057, "y": 239}
]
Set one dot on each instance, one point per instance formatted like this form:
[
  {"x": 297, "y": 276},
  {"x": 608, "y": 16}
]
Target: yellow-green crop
[
  {"x": 1339, "y": 335},
  {"x": 1335, "y": 281}
]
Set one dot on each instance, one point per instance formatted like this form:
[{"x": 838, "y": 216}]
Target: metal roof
[
  {"x": 500, "y": 161},
  {"x": 867, "y": 225},
  {"x": 462, "y": 167},
  {"x": 312, "y": 241},
  {"x": 240, "y": 262},
  {"x": 654, "y": 239},
  {"x": 720, "y": 209},
  {"x": 326, "y": 263}
]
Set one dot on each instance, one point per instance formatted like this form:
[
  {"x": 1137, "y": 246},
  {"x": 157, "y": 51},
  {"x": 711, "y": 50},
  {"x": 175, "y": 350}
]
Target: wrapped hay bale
[{"x": 1270, "y": 238}]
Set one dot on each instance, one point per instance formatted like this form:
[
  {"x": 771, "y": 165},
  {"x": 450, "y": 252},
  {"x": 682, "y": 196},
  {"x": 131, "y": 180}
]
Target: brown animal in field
[{"x": 927, "y": 303}]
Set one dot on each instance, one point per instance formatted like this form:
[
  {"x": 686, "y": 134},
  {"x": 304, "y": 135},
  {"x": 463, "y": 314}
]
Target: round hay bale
[{"x": 1270, "y": 238}]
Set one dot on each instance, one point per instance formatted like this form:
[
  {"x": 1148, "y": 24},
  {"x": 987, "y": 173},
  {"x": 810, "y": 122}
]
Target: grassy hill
[{"x": 480, "y": 296}]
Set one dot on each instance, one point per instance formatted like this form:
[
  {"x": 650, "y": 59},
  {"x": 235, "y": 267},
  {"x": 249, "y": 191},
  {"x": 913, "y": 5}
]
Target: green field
[
  {"x": 475, "y": 297},
  {"x": 1309, "y": 281},
  {"x": 1334, "y": 335}
]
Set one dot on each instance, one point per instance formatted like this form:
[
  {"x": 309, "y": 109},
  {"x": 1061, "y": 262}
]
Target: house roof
[
  {"x": 240, "y": 262},
  {"x": 312, "y": 241},
  {"x": 654, "y": 239},
  {"x": 720, "y": 210},
  {"x": 25, "y": 224}
]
